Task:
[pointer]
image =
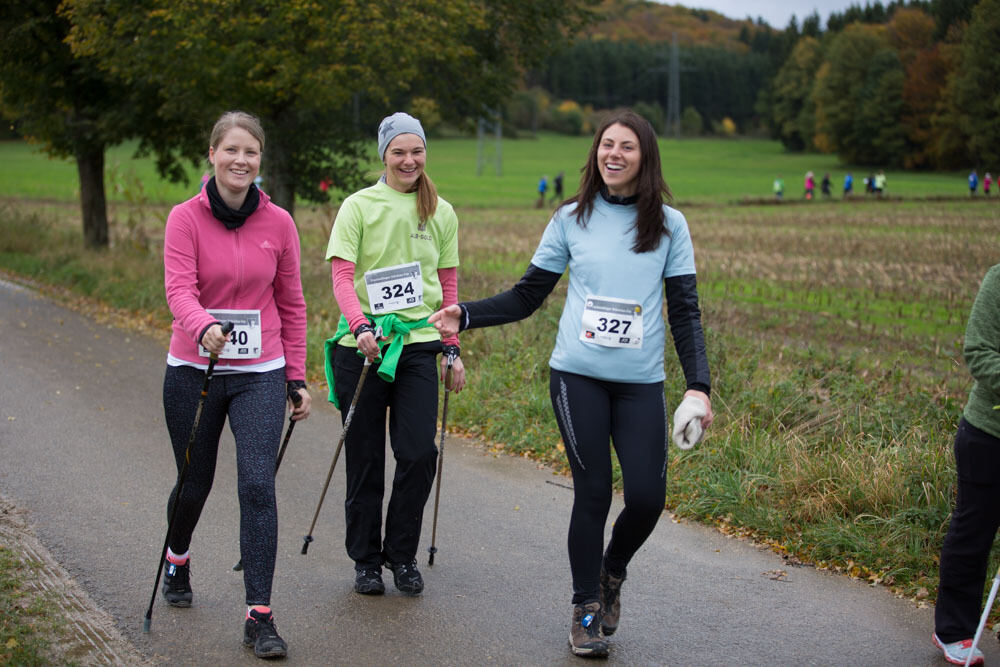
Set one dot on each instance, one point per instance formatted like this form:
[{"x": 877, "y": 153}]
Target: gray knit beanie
[{"x": 394, "y": 125}]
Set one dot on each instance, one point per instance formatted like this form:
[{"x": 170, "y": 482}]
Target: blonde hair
[
  {"x": 240, "y": 119},
  {"x": 427, "y": 197}
]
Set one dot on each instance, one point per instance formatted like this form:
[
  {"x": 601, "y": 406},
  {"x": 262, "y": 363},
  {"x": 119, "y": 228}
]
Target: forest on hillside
[{"x": 908, "y": 84}]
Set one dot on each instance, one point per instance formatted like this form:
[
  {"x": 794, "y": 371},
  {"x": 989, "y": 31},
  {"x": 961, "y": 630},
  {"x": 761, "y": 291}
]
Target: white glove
[{"x": 687, "y": 422}]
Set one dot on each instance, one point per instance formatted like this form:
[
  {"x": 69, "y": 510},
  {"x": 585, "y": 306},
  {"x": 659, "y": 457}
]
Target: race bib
[
  {"x": 244, "y": 341},
  {"x": 612, "y": 322},
  {"x": 394, "y": 288}
]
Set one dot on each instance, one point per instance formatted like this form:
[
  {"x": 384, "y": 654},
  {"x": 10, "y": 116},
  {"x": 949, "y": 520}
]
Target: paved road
[{"x": 84, "y": 452}]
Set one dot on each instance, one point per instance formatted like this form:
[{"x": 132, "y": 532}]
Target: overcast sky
[{"x": 776, "y": 12}]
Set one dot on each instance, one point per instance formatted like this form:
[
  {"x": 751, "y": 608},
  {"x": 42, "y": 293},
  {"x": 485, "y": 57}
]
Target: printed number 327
[{"x": 614, "y": 326}]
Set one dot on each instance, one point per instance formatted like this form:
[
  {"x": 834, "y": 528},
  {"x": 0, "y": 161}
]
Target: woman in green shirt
[{"x": 394, "y": 255}]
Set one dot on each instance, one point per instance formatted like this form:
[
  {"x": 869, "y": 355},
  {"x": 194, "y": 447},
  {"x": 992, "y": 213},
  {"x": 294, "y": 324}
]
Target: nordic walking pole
[
  {"x": 437, "y": 493},
  {"x": 986, "y": 613},
  {"x": 296, "y": 401},
  {"x": 343, "y": 436},
  {"x": 182, "y": 475}
]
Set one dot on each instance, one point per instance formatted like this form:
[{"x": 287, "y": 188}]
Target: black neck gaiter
[
  {"x": 615, "y": 199},
  {"x": 231, "y": 218}
]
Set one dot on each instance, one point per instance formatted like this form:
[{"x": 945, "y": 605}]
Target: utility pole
[
  {"x": 491, "y": 123},
  {"x": 674, "y": 91}
]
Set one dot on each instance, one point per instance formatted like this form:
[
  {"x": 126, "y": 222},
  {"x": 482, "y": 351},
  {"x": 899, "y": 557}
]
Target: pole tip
[
  {"x": 238, "y": 566},
  {"x": 305, "y": 543},
  {"x": 145, "y": 625},
  {"x": 431, "y": 550}
]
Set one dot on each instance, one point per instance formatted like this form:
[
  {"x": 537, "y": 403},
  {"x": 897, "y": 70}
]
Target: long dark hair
[{"x": 651, "y": 189}]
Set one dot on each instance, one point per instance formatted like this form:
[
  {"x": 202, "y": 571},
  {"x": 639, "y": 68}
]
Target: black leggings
[
  {"x": 255, "y": 405},
  {"x": 591, "y": 412},
  {"x": 411, "y": 401},
  {"x": 966, "y": 549}
]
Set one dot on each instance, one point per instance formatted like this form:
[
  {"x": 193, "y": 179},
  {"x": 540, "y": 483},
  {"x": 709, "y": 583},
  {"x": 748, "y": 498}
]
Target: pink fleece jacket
[{"x": 254, "y": 267}]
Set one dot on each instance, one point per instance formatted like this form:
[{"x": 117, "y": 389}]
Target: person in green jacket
[{"x": 976, "y": 516}]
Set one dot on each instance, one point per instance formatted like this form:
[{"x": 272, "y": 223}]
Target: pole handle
[{"x": 227, "y": 328}]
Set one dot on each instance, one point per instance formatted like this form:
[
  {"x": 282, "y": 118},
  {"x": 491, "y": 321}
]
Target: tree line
[{"x": 908, "y": 84}]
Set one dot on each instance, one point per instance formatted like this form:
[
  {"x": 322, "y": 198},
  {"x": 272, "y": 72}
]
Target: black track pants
[
  {"x": 974, "y": 522},
  {"x": 592, "y": 414},
  {"x": 412, "y": 401},
  {"x": 255, "y": 405}
]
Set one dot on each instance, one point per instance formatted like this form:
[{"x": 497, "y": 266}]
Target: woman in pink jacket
[{"x": 230, "y": 254}]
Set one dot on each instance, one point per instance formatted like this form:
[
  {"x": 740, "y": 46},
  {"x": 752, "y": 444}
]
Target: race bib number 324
[{"x": 394, "y": 288}]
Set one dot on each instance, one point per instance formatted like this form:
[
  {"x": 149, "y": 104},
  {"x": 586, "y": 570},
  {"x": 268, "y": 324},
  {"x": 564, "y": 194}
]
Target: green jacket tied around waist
[{"x": 389, "y": 355}]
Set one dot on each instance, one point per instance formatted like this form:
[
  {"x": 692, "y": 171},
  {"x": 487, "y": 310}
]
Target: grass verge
[{"x": 27, "y": 619}]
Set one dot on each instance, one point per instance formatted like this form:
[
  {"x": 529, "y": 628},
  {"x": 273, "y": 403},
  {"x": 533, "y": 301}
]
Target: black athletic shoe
[
  {"x": 259, "y": 632},
  {"x": 369, "y": 581},
  {"x": 177, "y": 584},
  {"x": 407, "y": 578},
  {"x": 585, "y": 638}
]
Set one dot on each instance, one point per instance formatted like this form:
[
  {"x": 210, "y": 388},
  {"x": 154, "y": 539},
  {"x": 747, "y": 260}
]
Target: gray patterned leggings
[{"x": 255, "y": 405}]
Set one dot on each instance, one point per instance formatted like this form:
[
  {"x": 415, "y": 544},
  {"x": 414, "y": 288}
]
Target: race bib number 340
[
  {"x": 394, "y": 288},
  {"x": 244, "y": 341},
  {"x": 612, "y": 322}
]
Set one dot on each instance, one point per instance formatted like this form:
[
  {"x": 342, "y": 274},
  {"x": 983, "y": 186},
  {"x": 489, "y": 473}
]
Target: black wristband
[
  {"x": 205, "y": 330},
  {"x": 292, "y": 387},
  {"x": 363, "y": 328},
  {"x": 451, "y": 351},
  {"x": 464, "y": 319}
]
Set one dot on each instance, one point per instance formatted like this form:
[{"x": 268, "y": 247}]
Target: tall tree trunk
[
  {"x": 90, "y": 166},
  {"x": 279, "y": 177}
]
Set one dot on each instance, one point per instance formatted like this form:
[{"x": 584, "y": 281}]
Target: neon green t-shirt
[{"x": 377, "y": 228}]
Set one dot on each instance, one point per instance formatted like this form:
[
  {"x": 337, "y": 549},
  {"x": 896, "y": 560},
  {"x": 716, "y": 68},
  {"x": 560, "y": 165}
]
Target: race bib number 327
[{"x": 612, "y": 322}]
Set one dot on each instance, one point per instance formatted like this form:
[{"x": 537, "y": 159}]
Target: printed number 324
[{"x": 396, "y": 290}]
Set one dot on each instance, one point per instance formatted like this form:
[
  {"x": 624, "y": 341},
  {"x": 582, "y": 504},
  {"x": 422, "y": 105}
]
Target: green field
[
  {"x": 697, "y": 170},
  {"x": 834, "y": 331}
]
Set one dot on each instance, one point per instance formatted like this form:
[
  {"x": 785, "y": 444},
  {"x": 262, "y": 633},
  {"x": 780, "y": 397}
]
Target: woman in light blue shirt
[{"x": 625, "y": 250}]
